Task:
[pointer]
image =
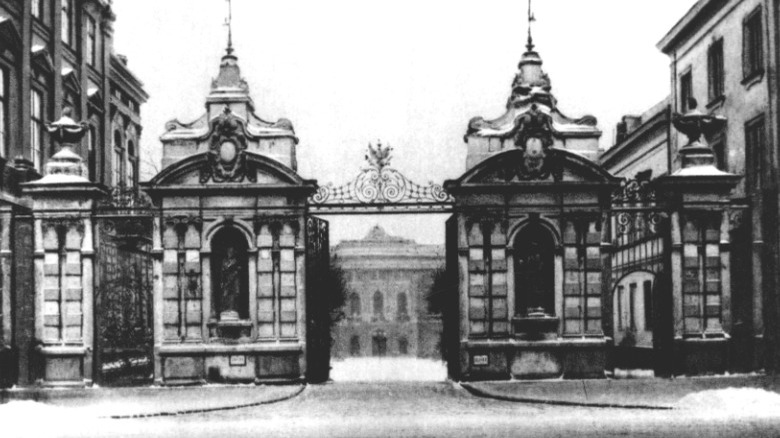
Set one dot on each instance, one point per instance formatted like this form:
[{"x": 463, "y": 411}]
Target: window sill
[
  {"x": 753, "y": 78},
  {"x": 716, "y": 102}
]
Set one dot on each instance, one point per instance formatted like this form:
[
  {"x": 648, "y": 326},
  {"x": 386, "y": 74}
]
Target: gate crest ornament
[
  {"x": 534, "y": 137},
  {"x": 380, "y": 184},
  {"x": 227, "y": 152}
]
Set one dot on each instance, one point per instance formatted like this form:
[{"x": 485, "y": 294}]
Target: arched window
[
  {"x": 229, "y": 274},
  {"x": 379, "y": 305},
  {"x": 354, "y": 305},
  {"x": 354, "y": 346},
  {"x": 534, "y": 271},
  {"x": 403, "y": 307},
  {"x": 403, "y": 346}
]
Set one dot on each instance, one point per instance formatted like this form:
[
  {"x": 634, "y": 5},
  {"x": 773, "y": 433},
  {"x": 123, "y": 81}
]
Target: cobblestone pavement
[{"x": 419, "y": 410}]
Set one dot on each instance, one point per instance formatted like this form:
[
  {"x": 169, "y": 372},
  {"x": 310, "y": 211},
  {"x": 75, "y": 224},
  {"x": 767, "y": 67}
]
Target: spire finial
[
  {"x": 229, "y": 24},
  {"x": 531, "y": 19}
]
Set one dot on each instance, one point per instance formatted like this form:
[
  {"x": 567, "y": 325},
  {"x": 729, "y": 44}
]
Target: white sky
[{"x": 411, "y": 73}]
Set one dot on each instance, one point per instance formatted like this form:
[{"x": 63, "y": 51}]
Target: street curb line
[
  {"x": 484, "y": 394},
  {"x": 205, "y": 410}
]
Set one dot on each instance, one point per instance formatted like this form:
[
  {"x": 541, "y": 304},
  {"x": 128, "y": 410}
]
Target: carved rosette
[{"x": 227, "y": 161}]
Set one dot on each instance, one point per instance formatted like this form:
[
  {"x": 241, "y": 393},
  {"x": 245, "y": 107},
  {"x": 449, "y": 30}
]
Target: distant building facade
[{"x": 386, "y": 311}]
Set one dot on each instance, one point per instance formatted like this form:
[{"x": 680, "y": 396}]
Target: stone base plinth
[
  {"x": 248, "y": 362},
  {"x": 695, "y": 356},
  {"x": 64, "y": 365},
  {"x": 511, "y": 358}
]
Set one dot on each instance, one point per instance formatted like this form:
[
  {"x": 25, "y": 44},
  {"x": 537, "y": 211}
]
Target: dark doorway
[
  {"x": 379, "y": 344},
  {"x": 534, "y": 254},
  {"x": 229, "y": 276},
  {"x": 403, "y": 346}
]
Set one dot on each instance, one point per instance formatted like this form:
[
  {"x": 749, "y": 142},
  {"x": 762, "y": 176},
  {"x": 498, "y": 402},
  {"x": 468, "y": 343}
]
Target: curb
[
  {"x": 485, "y": 394},
  {"x": 206, "y": 410}
]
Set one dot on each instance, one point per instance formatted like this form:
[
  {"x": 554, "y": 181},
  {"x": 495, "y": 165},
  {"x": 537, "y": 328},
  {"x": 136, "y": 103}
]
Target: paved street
[{"x": 402, "y": 409}]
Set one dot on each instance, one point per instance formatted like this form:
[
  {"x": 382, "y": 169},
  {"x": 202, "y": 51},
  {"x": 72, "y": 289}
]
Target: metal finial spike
[
  {"x": 531, "y": 19},
  {"x": 229, "y": 23}
]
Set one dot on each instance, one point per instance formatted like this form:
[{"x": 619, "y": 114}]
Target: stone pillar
[
  {"x": 63, "y": 284},
  {"x": 699, "y": 195}
]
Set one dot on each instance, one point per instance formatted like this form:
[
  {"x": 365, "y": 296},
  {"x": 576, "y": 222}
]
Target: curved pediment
[
  {"x": 258, "y": 170},
  {"x": 558, "y": 166}
]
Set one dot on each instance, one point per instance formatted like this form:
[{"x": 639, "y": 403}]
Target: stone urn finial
[
  {"x": 66, "y": 165},
  {"x": 697, "y": 126}
]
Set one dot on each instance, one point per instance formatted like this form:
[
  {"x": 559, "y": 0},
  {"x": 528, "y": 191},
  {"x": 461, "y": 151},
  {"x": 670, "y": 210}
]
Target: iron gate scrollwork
[
  {"x": 380, "y": 185},
  {"x": 639, "y": 231},
  {"x": 123, "y": 290}
]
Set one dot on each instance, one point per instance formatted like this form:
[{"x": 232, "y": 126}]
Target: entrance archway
[
  {"x": 379, "y": 344},
  {"x": 534, "y": 264}
]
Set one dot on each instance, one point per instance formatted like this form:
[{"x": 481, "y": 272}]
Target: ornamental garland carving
[
  {"x": 226, "y": 157},
  {"x": 380, "y": 184}
]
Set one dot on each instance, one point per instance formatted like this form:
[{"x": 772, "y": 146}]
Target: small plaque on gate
[
  {"x": 237, "y": 361},
  {"x": 481, "y": 360}
]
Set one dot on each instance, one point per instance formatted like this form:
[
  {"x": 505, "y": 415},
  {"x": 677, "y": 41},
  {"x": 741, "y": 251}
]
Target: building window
[
  {"x": 403, "y": 307},
  {"x": 132, "y": 163},
  {"x": 91, "y": 41},
  {"x": 92, "y": 147},
  {"x": 354, "y": 305},
  {"x": 67, "y": 21},
  {"x": 701, "y": 274},
  {"x": 715, "y": 70},
  {"x": 3, "y": 112},
  {"x": 119, "y": 158},
  {"x": 686, "y": 92},
  {"x": 36, "y": 129},
  {"x": 753, "y": 45},
  {"x": 755, "y": 144},
  {"x": 37, "y": 9},
  {"x": 379, "y": 305}
]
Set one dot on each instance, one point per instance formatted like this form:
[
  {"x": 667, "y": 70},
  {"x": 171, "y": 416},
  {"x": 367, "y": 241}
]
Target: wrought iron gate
[
  {"x": 123, "y": 292},
  {"x": 318, "y": 313},
  {"x": 640, "y": 244}
]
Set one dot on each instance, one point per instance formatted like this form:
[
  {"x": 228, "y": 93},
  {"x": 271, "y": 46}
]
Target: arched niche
[
  {"x": 230, "y": 274},
  {"x": 534, "y": 270}
]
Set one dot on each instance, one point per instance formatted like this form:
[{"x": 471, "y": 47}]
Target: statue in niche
[
  {"x": 532, "y": 265},
  {"x": 534, "y": 272},
  {"x": 230, "y": 284}
]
